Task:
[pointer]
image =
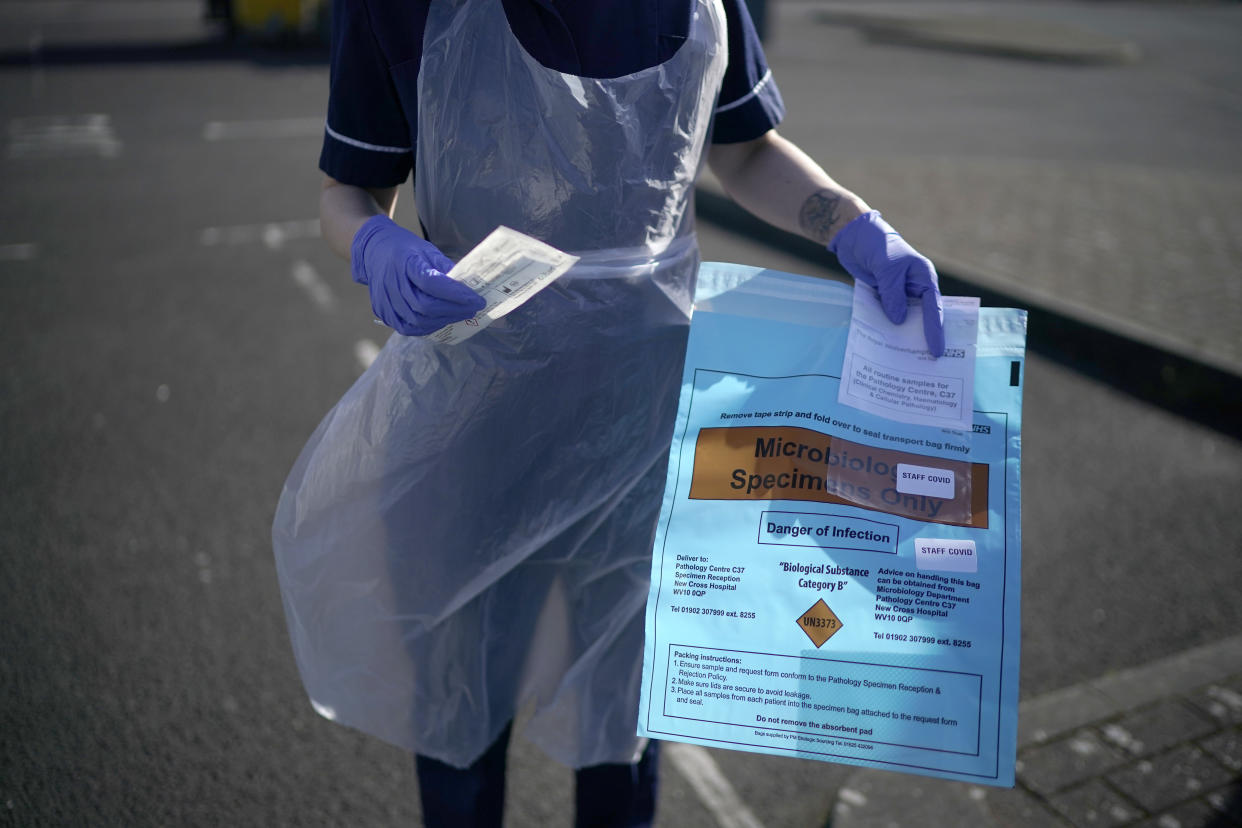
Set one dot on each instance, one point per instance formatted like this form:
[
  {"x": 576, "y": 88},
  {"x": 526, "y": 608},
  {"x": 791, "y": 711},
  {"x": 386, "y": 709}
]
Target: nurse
[{"x": 465, "y": 539}]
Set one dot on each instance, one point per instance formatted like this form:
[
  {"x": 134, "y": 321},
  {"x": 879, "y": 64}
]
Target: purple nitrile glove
[
  {"x": 405, "y": 273},
  {"x": 876, "y": 254}
]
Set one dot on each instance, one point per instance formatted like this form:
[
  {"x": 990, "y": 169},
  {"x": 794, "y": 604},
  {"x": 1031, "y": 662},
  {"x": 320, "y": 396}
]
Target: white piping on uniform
[
  {"x": 354, "y": 142},
  {"x": 764, "y": 81}
]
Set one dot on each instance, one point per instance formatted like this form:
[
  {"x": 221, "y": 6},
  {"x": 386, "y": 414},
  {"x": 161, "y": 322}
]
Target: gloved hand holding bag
[{"x": 874, "y": 253}]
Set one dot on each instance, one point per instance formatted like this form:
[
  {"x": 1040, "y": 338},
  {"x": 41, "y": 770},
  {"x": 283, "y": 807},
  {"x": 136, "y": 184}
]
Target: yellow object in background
[{"x": 280, "y": 19}]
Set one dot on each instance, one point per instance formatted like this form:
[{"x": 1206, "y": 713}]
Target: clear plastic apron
[{"x": 467, "y": 534}]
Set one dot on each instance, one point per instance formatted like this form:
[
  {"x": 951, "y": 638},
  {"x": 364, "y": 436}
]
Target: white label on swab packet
[{"x": 506, "y": 269}]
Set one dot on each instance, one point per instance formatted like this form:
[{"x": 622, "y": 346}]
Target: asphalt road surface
[{"x": 172, "y": 329}]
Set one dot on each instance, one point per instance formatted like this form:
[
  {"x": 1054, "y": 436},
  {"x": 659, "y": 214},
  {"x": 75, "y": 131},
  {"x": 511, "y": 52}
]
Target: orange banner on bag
[{"x": 791, "y": 463}]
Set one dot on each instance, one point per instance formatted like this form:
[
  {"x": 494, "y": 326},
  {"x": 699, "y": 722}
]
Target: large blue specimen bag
[{"x": 804, "y": 601}]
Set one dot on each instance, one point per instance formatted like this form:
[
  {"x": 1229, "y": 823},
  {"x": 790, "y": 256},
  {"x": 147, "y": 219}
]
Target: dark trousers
[{"x": 606, "y": 796}]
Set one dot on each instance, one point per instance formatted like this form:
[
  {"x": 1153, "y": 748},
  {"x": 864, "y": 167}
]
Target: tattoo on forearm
[{"x": 819, "y": 215}]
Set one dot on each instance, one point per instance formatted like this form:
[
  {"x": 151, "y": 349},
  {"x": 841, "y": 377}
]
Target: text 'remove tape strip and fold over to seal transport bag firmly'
[{"x": 836, "y": 567}]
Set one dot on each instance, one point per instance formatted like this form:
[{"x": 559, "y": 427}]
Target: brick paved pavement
[{"x": 1159, "y": 746}]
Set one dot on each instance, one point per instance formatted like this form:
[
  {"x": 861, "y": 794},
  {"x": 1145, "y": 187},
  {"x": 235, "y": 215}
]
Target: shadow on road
[{"x": 203, "y": 50}]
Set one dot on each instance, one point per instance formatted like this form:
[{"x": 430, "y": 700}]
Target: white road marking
[
  {"x": 114, "y": 11},
  {"x": 18, "y": 252},
  {"x": 695, "y": 764},
  {"x": 270, "y": 128},
  {"x": 62, "y": 136},
  {"x": 316, "y": 288},
  {"x": 366, "y": 351},
  {"x": 273, "y": 234},
  {"x": 203, "y": 561}
]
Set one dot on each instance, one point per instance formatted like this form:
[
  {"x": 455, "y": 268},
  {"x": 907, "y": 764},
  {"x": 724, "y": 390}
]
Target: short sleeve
[
  {"x": 366, "y": 138},
  {"x": 749, "y": 103}
]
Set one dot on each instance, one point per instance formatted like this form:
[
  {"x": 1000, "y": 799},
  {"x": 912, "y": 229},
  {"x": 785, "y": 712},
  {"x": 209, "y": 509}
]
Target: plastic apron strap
[{"x": 581, "y": 163}]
